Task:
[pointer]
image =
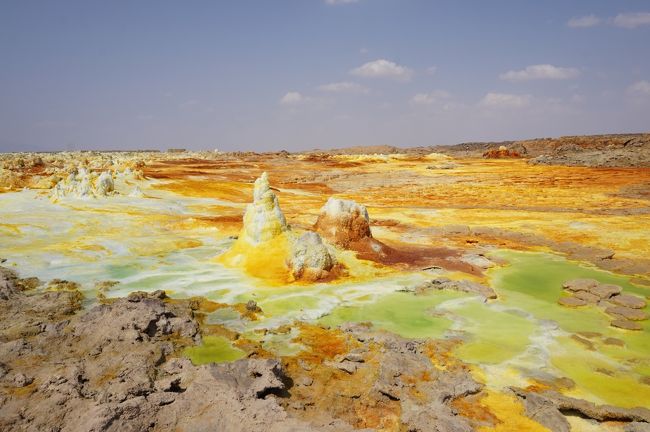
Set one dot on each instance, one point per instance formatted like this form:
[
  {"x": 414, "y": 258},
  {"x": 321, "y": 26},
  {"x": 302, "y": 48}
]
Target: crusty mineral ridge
[
  {"x": 343, "y": 222},
  {"x": 263, "y": 219},
  {"x": 310, "y": 258}
]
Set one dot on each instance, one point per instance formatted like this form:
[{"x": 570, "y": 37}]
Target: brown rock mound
[
  {"x": 346, "y": 224},
  {"x": 343, "y": 222},
  {"x": 501, "y": 153}
]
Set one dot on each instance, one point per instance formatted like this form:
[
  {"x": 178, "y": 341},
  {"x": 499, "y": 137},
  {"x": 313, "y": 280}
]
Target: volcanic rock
[
  {"x": 545, "y": 407},
  {"x": 111, "y": 369}
]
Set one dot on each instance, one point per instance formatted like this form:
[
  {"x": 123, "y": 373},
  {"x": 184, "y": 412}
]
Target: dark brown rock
[
  {"x": 626, "y": 313},
  {"x": 580, "y": 284},
  {"x": 626, "y": 324},
  {"x": 605, "y": 291},
  {"x": 571, "y": 302},
  {"x": 629, "y": 301}
]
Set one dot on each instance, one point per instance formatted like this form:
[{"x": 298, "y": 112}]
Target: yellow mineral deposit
[{"x": 267, "y": 248}]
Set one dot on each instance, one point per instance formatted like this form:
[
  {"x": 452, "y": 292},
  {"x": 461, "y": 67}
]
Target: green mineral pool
[{"x": 214, "y": 349}]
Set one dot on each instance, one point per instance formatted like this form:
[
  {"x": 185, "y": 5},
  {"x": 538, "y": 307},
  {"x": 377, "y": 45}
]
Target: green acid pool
[{"x": 213, "y": 349}]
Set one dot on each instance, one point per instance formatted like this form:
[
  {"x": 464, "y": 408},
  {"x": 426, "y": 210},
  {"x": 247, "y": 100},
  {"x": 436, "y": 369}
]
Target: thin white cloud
[
  {"x": 431, "y": 70},
  {"x": 343, "y": 87},
  {"x": 584, "y": 22},
  {"x": 293, "y": 98},
  {"x": 632, "y": 20},
  {"x": 540, "y": 72},
  {"x": 505, "y": 100},
  {"x": 430, "y": 98},
  {"x": 188, "y": 104},
  {"x": 639, "y": 88},
  {"x": 383, "y": 68},
  {"x": 336, "y": 2}
]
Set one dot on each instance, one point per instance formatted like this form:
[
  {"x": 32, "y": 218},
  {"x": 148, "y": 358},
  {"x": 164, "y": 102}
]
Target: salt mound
[
  {"x": 310, "y": 258},
  {"x": 267, "y": 248},
  {"x": 263, "y": 219},
  {"x": 342, "y": 222},
  {"x": 104, "y": 184},
  {"x": 83, "y": 184}
]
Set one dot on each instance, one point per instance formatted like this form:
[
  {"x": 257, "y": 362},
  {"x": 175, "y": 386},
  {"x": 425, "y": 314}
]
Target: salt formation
[
  {"x": 268, "y": 248},
  {"x": 104, "y": 184},
  {"x": 136, "y": 193},
  {"x": 78, "y": 184},
  {"x": 83, "y": 183},
  {"x": 310, "y": 258},
  {"x": 343, "y": 222},
  {"x": 263, "y": 219}
]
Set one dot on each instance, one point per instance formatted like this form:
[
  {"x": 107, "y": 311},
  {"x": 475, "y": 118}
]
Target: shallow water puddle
[
  {"x": 213, "y": 349},
  {"x": 602, "y": 370}
]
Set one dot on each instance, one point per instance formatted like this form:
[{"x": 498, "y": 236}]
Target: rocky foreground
[{"x": 118, "y": 367}]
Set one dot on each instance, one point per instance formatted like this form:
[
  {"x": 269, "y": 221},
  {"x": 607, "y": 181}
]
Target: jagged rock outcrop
[
  {"x": 550, "y": 408},
  {"x": 115, "y": 368},
  {"x": 378, "y": 380}
]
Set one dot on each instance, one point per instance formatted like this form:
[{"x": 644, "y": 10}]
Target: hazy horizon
[{"x": 306, "y": 74}]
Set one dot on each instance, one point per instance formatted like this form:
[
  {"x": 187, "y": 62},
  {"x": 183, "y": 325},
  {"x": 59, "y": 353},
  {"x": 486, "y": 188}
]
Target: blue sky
[{"x": 303, "y": 74}]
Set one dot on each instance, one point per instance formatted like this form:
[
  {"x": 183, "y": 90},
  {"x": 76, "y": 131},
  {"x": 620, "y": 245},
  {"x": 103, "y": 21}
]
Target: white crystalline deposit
[
  {"x": 266, "y": 241},
  {"x": 263, "y": 219},
  {"x": 336, "y": 208},
  {"x": 310, "y": 258},
  {"x": 342, "y": 222},
  {"x": 84, "y": 184},
  {"x": 104, "y": 185},
  {"x": 136, "y": 193}
]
